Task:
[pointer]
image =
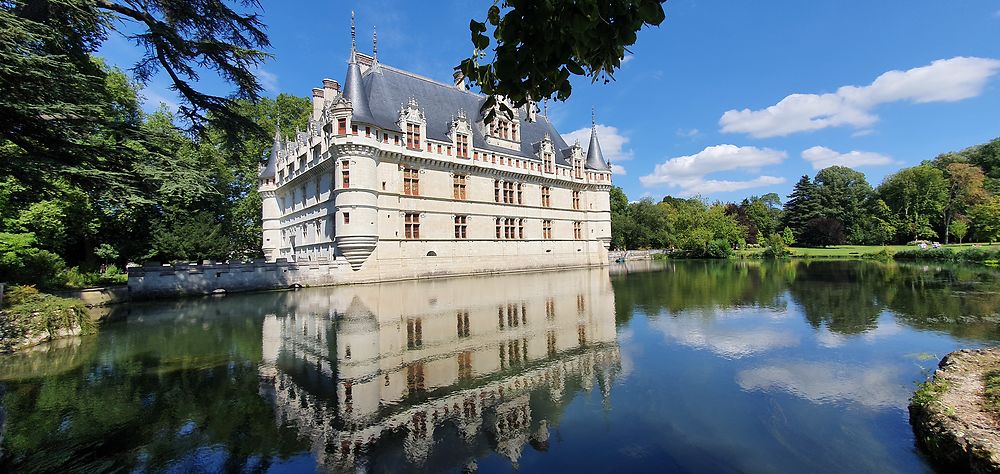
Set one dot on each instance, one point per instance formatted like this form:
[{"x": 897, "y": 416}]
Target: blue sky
[{"x": 703, "y": 104}]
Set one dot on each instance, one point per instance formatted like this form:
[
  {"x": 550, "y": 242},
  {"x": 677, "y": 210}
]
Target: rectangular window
[
  {"x": 520, "y": 229},
  {"x": 547, "y": 160},
  {"x": 547, "y": 229},
  {"x": 439, "y": 149},
  {"x": 368, "y": 132},
  {"x": 414, "y": 333},
  {"x": 347, "y": 218},
  {"x": 342, "y": 126},
  {"x": 395, "y": 140},
  {"x": 413, "y": 136},
  {"x": 520, "y": 193},
  {"x": 496, "y": 190},
  {"x": 354, "y": 129},
  {"x": 546, "y": 197},
  {"x": 499, "y": 227},
  {"x": 465, "y": 372},
  {"x": 509, "y": 230},
  {"x": 576, "y": 199},
  {"x": 462, "y": 145},
  {"x": 411, "y": 225},
  {"x": 463, "y": 324},
  {"x": 345, "y": 174},
  {"x": 411, "y": 182},
  {"x": 459, "y": 183},
  {"x": 461, "y": 227},
  {"x": 577, "y": 231},
  {"x": 508, "y": 192},
  {"x": 550, "y": 309}
]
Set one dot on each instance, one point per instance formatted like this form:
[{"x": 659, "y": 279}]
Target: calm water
[{"x": 696, "y": 366}]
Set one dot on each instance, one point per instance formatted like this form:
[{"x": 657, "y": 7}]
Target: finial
[
  {"x": 354, "y": 44},
  {"x": 593, "y": 117},
  {"x": 374, "y": 45},
  {"x": 545, "y": 105}
]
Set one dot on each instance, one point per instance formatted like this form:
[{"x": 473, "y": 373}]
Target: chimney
[
  {"x": 459, "y": 80},
  {"x": 331, "y": 90},
  {"x": 317, "y": 103}
]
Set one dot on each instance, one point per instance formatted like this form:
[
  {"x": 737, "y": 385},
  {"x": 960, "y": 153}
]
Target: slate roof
[
  {"x": 595, "y": 159},
  {"x": 387, "y": 90},
  {"x": 269, "y": 168}
]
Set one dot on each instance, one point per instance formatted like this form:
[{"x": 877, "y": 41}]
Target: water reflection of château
[{"x": 437, "y": 374}]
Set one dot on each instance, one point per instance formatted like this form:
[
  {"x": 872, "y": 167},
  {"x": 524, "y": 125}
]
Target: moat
[{"x": 730, "y": 366}]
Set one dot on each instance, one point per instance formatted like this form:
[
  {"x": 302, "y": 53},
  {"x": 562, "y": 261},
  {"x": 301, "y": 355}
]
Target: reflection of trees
[
  {"x": 841, "y": 295},
  {"x": 962, "y": 300},
  {"x": 845, "y": 296},
  {"x": 695, "y": 284},
  {"x": 157, "y": 396}
]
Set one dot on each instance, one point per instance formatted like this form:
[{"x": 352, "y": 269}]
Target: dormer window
[
  {"x": 412, "y": 120},
  {"x": 462, "y": 145},
  {"x": 413, "y": 136},
  {"x": 505, "y": 129},
  {"x": 547, "y": 160}
]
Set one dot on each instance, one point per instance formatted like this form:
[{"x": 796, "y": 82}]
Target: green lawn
[{"x": 848, "y": 251}]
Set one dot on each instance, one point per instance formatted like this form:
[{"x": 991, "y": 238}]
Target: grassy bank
[
  {"x": 28, "y": 318},
  {"x": 861, "y": 251}
]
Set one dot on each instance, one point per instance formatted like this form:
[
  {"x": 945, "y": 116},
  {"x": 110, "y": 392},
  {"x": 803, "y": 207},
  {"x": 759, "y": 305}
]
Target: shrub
[
  {"x": 21, "y": 262},
  {"x": 776, "y": 247},
  {"x": 883, "y": 255}
]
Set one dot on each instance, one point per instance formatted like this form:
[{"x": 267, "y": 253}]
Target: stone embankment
[
  {"x": 629, "y": 255},
  {"x": 951, "y": 417}
]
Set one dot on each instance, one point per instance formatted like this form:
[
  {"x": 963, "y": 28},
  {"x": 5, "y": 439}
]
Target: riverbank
[
  {"x": 955, "y": 414},
  {"x": 860, "y": 251},
  {"x": 29, "y": 318}
]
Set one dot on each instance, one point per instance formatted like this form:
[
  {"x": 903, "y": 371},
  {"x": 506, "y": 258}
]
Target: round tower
[
  {"x": 357, "y": 202},
  {"x": 357, "y": 165},
  {"x": 270, "y": 211}
]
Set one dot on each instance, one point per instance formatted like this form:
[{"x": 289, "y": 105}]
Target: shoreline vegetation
[{"x": 29, "y": 318}]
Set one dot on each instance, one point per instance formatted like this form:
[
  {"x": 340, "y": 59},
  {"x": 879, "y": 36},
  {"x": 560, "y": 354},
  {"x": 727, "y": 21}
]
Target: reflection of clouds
[
  {"x": 824, "y": 382},
  {"x": 828, "y": 338},
  {"x": 723, "y": 339},
  {"x": 627, "y": 349},
  {"x": 886, "y": 327}
]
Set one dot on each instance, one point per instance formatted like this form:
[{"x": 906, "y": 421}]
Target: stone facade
[{"x": 399, "y": 176}]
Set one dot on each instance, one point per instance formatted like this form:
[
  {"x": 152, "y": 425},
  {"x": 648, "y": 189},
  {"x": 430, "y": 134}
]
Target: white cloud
[
  {"x": 628, "y": 58},
  {"x": 613, "y": 142},
  {"x": 863, "y": 133},
  {"x": 618, "y": 169},
  {"x": 944, "y": 80},
  {"x": 825, "y": 382},
  {"x": 689, "y": 172},
  {"x": 822, "y": 157},
  {"x": 268, "y": 80}
]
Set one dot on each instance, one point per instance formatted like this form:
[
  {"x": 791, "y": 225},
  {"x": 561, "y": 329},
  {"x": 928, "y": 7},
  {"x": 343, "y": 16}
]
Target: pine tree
[{"x": 802, "y": 206}]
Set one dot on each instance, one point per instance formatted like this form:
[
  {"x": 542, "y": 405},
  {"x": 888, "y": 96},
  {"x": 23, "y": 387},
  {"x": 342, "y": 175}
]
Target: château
[{"x": 399, "y": 176}]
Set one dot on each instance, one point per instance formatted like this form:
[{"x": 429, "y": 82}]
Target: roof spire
[
  {"x": 354, "y": 41},
  {"x": 374, "y": 45},
  {"x": 595, "y": 159},
  {"x": 353, "y": 89}
]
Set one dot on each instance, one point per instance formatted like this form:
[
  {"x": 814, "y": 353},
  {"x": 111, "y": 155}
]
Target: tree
[
  {"x": 959, "y": 229},
  {"x": 788, "y": 236},
  {"x": 965, "y": 189},
  {"x": 802, "y": 206},
  {"x": 539, "y": 45},
  {"x": 843, "y": 194},
  {"x": 56, "y": 113},
  {"x": 986, "y": 219},
  {"x": 823, "y": 232},
  {"x": 619, "y": 218},
  {"x": 918, "y": 194}
]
